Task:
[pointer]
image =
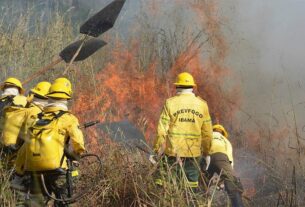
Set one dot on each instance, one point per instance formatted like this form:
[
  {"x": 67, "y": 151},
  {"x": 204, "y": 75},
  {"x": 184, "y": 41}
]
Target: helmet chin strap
[{"x": 11, "y": 91}]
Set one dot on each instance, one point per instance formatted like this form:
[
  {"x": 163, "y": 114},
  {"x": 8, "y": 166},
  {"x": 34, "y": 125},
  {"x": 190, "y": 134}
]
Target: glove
[
  {"x": 10, "y": 149},
  {"x": 152, "y": 159},
  {"x": 75, "y": 163},
  {"x": 71, "y": 155},
  {"x": 207, "y": 161}
]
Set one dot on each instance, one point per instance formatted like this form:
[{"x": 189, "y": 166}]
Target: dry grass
[
  {"x": 127, "y": 179},
  {"x": 7, "y": 196}
]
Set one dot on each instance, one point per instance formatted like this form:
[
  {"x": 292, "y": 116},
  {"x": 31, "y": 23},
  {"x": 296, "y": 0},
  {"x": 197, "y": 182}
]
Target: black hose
[
  {"x": 73, "y": 198},
  {"x": 64, "y": 200},
  {"x": 92, "y": 155}
]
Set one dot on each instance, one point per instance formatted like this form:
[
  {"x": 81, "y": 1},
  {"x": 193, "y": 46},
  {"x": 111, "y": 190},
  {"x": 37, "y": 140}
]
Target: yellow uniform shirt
[
  {"x": 223, "y": 145},
  {"x": 184, "y": 127}
]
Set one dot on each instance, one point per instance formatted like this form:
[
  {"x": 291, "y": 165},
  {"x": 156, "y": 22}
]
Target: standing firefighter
[
  {"x": 222, "y": 161},
  {"x": 12, "y": 101},
  {"x": 184, "y": 134},
  {"x": 17, "y": 125},
  {"x": 53, "y": 136}
]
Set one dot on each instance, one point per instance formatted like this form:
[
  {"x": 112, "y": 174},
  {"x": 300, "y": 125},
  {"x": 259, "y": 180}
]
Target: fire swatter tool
[
  {"x": 103, "y": 20},
  {"x": 99, "y": 23},
  {"x": 94, "y": 26}
]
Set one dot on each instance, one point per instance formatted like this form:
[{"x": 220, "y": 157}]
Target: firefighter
[
  {"x": 10, "y": 88},
  {"x": 15, "y": 130},
  {"x": 184, "y": 134},
  {"x": 221, "y": 160},
  {"x": 11, "y": 102},
  {"x": 53, "y": 136}
]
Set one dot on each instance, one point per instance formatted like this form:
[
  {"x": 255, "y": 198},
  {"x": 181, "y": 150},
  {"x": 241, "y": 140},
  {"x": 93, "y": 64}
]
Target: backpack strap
[
  {"x": 6, "y": 101},
  {"x": 66, "y": 149},
  {"x": 43, "y": 122}
]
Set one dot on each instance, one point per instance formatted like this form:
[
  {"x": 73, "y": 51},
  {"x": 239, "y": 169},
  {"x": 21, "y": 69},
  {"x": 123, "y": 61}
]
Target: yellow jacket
[
  {"x": 223, "y": 145},
  {"x": 17, "y": 121},
  {"x": 184, "y": 127},
  {"x": 21, "y": 131},
  {"x": 12, "y": 120},
  {"x": 45, "y": 149}
]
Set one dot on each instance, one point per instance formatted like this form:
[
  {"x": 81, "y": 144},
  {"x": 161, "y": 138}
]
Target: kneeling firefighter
[
  {"x": 18, "y": 130},
  {"x": 12, "y": 103},
  {"x": 221, "y": 161},
  {"x": 184, "y": 134},
  {"x": 53, "y": 136}
]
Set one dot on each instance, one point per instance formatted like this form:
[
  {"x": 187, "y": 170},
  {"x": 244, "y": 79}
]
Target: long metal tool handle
[
  {"x": 76, "y": 54},
  {"x": 89, "y": 124},
  {"x": 43, "y": 70}
]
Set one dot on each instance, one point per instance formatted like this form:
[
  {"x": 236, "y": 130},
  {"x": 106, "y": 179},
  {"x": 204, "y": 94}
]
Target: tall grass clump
[{"x": 7, "y": 196}]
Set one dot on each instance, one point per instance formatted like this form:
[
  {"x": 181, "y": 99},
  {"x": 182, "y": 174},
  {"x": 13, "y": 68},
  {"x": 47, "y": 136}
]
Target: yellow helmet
[
  {"x": 13, "y": 82},
  {"x": 62, "y": 80},
  {"x": 42, "y": 89},
  {"x": 185, "y": 79},
  {"x": 222, "y": 129},
  {"x": 61, "y": 88}
]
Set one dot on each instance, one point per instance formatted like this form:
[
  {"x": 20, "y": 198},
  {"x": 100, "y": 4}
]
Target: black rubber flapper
[
  {"x": 88, "y": 47},
  {"x": 103, "y": 20}
]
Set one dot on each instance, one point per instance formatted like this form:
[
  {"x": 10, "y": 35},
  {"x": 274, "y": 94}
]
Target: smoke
[
  {"x": 267, "y": 54},
  {"x": 267, "y": 50}
]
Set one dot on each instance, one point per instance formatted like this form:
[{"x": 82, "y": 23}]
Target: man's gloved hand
[
  {"x": 152, "y": 159},
  {"x": 75, "y": 163},
  {"x": 10, "y": 149},
  {"x": 207, "y": 161},
  {"x": 71, "y": 155}
]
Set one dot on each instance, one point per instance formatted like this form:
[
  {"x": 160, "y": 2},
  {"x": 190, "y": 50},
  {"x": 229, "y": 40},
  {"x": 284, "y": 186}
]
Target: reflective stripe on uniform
[
  {"x": 192, "y": 184},
  {"x": 164, "y": 118},
  {"x": 158, "y": 181},
  {"x": 185, "y": 135}
]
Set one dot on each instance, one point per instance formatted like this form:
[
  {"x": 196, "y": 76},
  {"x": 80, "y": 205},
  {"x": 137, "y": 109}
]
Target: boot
[
  {"x": 236, "y": 200},
  {"x": 18, "y": 183}
]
